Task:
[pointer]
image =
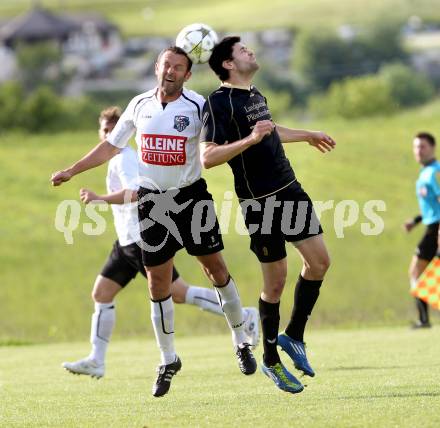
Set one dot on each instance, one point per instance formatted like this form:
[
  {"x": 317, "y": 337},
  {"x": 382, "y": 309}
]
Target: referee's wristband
[{"x": 417, "y": 219}]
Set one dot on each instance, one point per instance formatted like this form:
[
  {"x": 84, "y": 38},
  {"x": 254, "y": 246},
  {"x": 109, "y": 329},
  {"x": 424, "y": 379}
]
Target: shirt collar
[{"x": 229, "y": 85}]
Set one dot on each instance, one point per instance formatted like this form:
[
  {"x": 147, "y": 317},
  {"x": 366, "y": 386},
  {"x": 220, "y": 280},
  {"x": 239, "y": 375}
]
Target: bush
[
  {"x": 11, "y": 97},
  {"x": 407, "y": 87},
  {"x": 355, "y": 97},
  {"x": 323, "y": 57},
  {"x": 42, "y": 111}
]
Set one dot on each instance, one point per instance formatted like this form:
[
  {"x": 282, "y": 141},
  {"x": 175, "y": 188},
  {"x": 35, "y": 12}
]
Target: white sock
[
  {"x": 204, "y": 298},
  {"x": 103, "y": 321},
  {"x": 162, "y": 316},
  {"x": 230, "y": 302}
]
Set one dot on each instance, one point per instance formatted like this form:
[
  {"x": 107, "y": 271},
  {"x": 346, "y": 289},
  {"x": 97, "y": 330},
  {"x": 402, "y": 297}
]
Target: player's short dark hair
[
  {"x": 178, "y": 51},
  {"x": 222, "y": 52},
  {"x": 110, "y": 114},
  {"x": 427, "y": 137}
]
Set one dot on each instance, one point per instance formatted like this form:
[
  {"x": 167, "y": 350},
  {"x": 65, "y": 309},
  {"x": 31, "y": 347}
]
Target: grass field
[
  {"x": 46, "y": 284},
  {"x": 167, "y": 17},
  {"x": 370, "y": 378}
]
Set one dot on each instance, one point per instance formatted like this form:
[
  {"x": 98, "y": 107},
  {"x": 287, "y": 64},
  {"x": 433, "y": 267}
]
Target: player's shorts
[
  {"x": 427, "y": 247},
  {"x": 176, "y": 219},
  {"x": 124, "y": 262},
  {"x": 287, "y": 215}
]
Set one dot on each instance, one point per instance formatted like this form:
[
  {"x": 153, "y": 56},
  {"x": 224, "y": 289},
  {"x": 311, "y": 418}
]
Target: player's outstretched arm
[
  {"x": 412, "y": 223},
  {"x": 213, "y": 154},
  {"x": 320, "y": 140},
  {"x": 100, "y": 154},
  {"x": 121, "y": 197}
]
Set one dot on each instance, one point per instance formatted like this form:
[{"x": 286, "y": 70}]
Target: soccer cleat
[
  {"x": 251, "y": 327},
  {"x": 246, "y": 360},
  {"x": 416, "y": 325},
  {"x": 296, "y": 350},
  {"x": 164, "y": 375},
  {"x": 282, "y": 378},
  {"x": 85, "y": 367}
]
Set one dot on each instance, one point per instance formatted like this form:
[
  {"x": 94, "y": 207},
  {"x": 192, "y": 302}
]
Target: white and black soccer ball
[{"x": 198, "y": 41}]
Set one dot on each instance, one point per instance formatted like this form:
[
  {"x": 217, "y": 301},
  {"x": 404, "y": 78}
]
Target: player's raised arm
[
  {"x": 320, "y": 140},
  {"x": 97, "y": 156}
]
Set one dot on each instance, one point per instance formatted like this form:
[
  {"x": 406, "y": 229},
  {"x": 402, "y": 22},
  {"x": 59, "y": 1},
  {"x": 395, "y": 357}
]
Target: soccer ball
[{"x": 198, "y": 41}]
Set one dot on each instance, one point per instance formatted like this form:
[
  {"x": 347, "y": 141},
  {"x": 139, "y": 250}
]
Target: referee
[{"x": 428, "y": 195}]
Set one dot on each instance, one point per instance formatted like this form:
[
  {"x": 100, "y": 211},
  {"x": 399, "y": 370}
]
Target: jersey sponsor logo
[
  {"x": 165, "y": 150},
  {"x": 181, "y": 122}
]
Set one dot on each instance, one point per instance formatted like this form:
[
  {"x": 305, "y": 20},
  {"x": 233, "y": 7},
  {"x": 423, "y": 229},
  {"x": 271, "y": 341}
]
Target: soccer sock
[
  {"x": 306, "y": 295},
  {"x": 103, "y": 321},
  {"x": 162, "y": 316},
  {"x": 422, "y": 307},
  {"x": 230, "y": 303},
  {"x": 204, "y": 298},
  {"x": 270, "y": 322}
]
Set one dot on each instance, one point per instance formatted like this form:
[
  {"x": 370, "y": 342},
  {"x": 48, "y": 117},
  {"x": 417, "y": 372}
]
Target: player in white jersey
[
  {"x": 175, "y": 209},
  {"x": 125, "y": 259}
]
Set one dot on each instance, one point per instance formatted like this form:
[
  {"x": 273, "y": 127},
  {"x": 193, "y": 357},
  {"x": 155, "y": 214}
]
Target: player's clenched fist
[
  {"x": 60, "y": 177},
  {"x": 87, "y": 196},
  {"x": 261, "y": 129}
]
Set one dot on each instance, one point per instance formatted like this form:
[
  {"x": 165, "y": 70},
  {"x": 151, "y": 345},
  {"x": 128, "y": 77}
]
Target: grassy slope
[
  {"x": 45, "y": 283},
  {"x": 369, "y": 378},
  {"x": 136, "y": 17}
]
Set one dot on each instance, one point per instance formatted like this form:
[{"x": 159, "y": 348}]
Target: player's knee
[
  {"x": 99, "y": 295},
  {"x": 319, "y": 267}
]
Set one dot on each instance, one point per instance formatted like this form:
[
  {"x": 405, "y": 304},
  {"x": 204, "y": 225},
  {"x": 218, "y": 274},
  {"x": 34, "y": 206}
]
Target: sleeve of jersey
[
  {"x": 215, "y": 123},
  {"x": 128, "y": 170},
  {"x": 124, "y": 129},
  {"x": 435, "y": 178}
]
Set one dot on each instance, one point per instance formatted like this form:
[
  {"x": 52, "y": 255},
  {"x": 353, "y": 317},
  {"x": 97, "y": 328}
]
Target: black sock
[
  {"x": 270, "y": 322},
  {"x": 306, "y": 295},
  {"x": 422, "y": 307}
]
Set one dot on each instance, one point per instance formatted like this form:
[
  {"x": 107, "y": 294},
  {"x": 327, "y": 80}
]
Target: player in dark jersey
[{"x": 238, "y": 129}]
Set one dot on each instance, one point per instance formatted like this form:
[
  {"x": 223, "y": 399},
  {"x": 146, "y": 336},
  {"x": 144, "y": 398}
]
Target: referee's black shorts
[
  {"x": 287, "y": 215},
  {"x": 427, "y": 247},
  {"x": 124, "y": 262},
  {"x": 187, "y": 220}
]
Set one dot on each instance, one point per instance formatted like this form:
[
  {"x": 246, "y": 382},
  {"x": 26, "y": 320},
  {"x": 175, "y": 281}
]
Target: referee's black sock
[
  {"x": 422, "y": 307},
  {"x": 306, "y": 295},
  {"x": 270, "y": 322}
]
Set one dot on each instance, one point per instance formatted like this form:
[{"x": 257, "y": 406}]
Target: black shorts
[
  {"x": 176, "y": 219},
  {"x": 287, "y": 215},
  {"x": 427, "y": 247},
  {"x": 124, "y": 262}
]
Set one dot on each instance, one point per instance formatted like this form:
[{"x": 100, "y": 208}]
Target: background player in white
[
  {"x": 125, "y": 259},
  {"x": 167, "y": 122}
]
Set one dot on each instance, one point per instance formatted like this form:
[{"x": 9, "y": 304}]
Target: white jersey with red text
[
  {"x": 167, "y": 137},
  {"x": 122, "y": 173}
]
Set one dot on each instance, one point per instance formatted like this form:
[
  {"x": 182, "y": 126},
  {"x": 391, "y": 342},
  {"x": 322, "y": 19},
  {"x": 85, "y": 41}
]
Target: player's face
[
  {"x": 243, "y": 59},
  {"x": 105, "y": 127},
  {"x": 172, "y": 72},
  {"x": 423, "y": 151}
]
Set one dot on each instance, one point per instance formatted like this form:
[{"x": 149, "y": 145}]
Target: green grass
[
  {"x": 369, "y": 378},
  {"x": 167, "y": 17},
  {"x": 46, "y": 284}
]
